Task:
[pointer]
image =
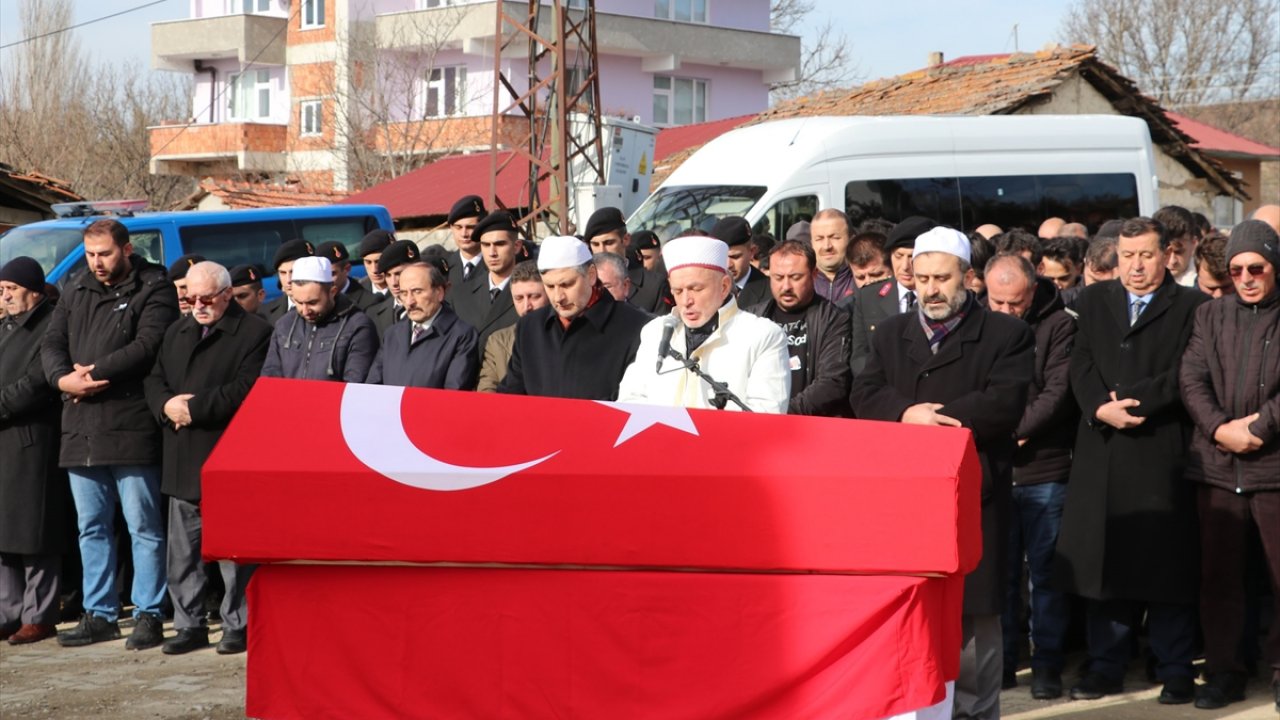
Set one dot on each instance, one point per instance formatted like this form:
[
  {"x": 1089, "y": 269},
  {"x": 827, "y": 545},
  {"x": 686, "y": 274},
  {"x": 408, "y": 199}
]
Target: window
[
  {"x": 249, "y": 7},
  {"x": 231, "y": 244},
  {"x": 446, "y": 91},
  {"x": 312, "y": 13},
  {"x": 310, "y": 120},
  {"x": 672, "y": 210},
  {"x": 785, "y": 213},
  {"x": 574, "y": 78},
  {"x": 250, "y": 95},
  {"x": 426, "y": 4},
  {"x": 679, "y": 101},
  {"x": 681, "y": 10}
]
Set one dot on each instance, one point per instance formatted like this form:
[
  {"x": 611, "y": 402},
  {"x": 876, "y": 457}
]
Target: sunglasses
[
  {"x": 205, "y": 299},
  {"x": 1254, "y": 270}
]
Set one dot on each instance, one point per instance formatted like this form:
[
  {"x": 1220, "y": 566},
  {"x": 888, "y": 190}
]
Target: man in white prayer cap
[
  {"x": 324, "y": 336},
  {"x": 952, "y": 363},
  {"x": 578, "y": 344},
  {"x": 746, "y": 353}
]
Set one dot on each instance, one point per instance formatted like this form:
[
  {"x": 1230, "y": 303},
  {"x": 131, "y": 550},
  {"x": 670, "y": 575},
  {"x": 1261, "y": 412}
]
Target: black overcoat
[
  {"x": 980, "y": 375},
  {"x": 444, "y": 357},
  {"x": 218, "y": 370},
  {"x": 471, "y": 302},
  {"x": 35, "y": 499},
  {"x": 1129, "y": 525}
]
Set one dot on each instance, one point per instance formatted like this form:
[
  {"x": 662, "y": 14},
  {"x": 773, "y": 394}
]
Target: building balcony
[
  {"x": 219, "y": 148},
  {"x": 176, "y": 44},
  {"x": 447, "y": 136}
]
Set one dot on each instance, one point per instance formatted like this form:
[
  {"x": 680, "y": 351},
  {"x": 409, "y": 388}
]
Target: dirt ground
[{"x": 105, "y": 681}]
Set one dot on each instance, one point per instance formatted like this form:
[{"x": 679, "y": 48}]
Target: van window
[
  {"x": 349, "y": 231},
  {"x": 672, "y": 210},
  {"x": 231, "y": 244},
  {"x": 894, "y": 200},
  {"x": 785, "y": 213},
  {"x": 149, "y": 244},
  {"x": 46, "y": 245}
]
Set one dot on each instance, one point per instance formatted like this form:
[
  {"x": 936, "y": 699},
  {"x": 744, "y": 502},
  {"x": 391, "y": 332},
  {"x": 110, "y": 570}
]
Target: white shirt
[{"x": 902, "y": 296}]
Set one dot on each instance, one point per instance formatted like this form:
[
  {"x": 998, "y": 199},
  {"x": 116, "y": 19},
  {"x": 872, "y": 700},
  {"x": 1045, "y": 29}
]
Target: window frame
[
  {"x": 670, "y": 10},
  {"x": 441, "y": 87},
  {"x": 697, "y": 86},
  {"x": 260, "y": 84},
  {"x": 316, "y": 108},
  {"x": 308, "y": 17}
]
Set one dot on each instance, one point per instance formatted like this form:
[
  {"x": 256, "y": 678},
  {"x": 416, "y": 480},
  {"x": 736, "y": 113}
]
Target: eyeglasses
[
  {"x": 1254, "y": 270},
  {"x": 206, "y": 299}
]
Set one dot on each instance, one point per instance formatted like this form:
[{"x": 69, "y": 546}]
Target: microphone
[{"x": 664, "y": 346}]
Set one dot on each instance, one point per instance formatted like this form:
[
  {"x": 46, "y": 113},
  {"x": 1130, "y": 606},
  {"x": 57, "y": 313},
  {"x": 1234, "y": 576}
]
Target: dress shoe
[
  {"x": 1046, "y": 684},
  {"x": 148, "y": 632},
  {"x": 1221, "y": 690},
  {"x": 1009, "y": 680},
  {"x": 1095, "y": 685},
  {"x": 186, "y": 640},
  {"x": 233, "y": 642},
  {"x": 32, "y": 633},
  {"x": 1178, "y": 691},
  {"x": 8, "y": 629},
  {"x": 91, "y": 629}
]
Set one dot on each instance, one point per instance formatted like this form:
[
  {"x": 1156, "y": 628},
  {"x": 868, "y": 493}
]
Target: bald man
[
  {"x": 1269, "y": 214},
  {"x": 1049, "y": 228}
]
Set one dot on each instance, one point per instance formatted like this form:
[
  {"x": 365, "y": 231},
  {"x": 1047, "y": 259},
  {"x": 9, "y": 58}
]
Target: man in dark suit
[
  {"x": 431, "y": 347},
  {"x": 391, "y": 262},
  {"x": 1128, "y": 535},
  {"x": 606, "y": 231},
  {"x": 340, "y": 260},
  {"x": 485, "y": 303},
  {"x": 953, "y": 363},
  {"x": 751, "y": 285},
  {"x": 370, "y": 251},
  {"x": 286, "y": 255},
  {"x": 880, "y": 301},
  {"x": 246, "y": 289},
  {"x": 465, "y": 263},
  {"x": 206, "y": 366}
]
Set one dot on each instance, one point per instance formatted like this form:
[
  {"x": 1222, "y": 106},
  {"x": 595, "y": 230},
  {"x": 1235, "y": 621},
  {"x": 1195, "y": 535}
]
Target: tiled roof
[
  {"x": 32, "y": 190},
  {"x": 1217, "y": 141},
  {"x": 675, "y": 144},
  {"x": 432, "y": 189},
  {"x": 248, "y": 194}
]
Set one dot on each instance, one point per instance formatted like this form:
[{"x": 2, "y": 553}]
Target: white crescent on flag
[{"x": 374, "y": 430}]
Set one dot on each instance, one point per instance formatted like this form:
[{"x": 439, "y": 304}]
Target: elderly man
[
  {"x": 612, "y": 271},
  {"x": 1128, "y": 534},
  {"x": 1231, "y": 387},
  {"x": 178, "y": 276},
  {"x": 582, "y": 342},
  {"x": 485, "y": 302},
  {"x": 829, "y": 235},
  {"x": 750, "y": 285},
  {"x": 879, "y": 301},
  {"x": 324, "y": 337},
  {"x": 527, "y": 295},
  {"x": 953, "y": 363},
  {"x": 35, "y": 500},
  {"x": 1212, "y": 277},
  {"x": 745, "y": 352},
  {"x": 207, "y": 364},
  {"x": 1041, "y": 466},
  {"x": 431, "y": 347},
  {"x": 817, "y": 333},
  {"x": 606, "y": 231},
  {"x": 286, "y": 255},
  {"x": 102, "y": 340}
]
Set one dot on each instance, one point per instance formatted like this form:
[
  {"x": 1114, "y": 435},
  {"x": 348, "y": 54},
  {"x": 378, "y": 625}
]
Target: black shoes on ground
[
  {"x": 233, "y": 642},
  {"x": 1009, "y": 680},
  {"x": 1178, "y": 691},
  {"x": 92, "y": 629},
  {"x": 1094, "y": 685},
  {"x": 187, "y": 640},
  {"x": 1046, "y": 684},
  {"x": 148, "y": 632}
]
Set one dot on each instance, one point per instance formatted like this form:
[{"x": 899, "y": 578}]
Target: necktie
[
  {"x": 910, "y": 297},
  {"x": 467, "y": 269},
  {"x": 493, "y": 294},
  {"x": 418, "y": 331},
  {"x": 399, "y": 313},
  {"x": 1135, "y": 311},
  {"x": 204, "y": 331}
]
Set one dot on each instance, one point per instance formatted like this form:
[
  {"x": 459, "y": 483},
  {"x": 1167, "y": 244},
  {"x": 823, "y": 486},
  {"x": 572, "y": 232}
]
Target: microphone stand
[{"x": 722, "y": 392}]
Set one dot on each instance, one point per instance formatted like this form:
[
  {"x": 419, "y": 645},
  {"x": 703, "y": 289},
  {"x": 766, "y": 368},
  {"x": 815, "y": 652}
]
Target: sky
[{"x": 888, "y": 38}]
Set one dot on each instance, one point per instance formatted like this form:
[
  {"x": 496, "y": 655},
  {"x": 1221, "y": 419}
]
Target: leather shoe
[
  {"x": 1046, "y": 684},
  {"x": 148, "y": 632},
  {"x": 32, "y": 633},
  {"x": 233, "y": 642},
  {"x": 1178, "y": 691},
  {"x": 1095, "y": 685},
  {"x": 8, "y": 629},
  {"x": 91, "y": 629},
  {"x": 1221, "y": 690},
  {"x": 186, "y": 640}
]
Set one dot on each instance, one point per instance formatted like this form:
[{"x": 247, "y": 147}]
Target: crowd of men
[{"x": 1123, "y": 392}]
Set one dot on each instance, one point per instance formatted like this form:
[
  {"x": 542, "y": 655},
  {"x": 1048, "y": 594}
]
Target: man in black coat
[
  {"x": 286, "y": 255},
  {"x": 392, "y": 261},
  {"x": 606, "y": 231},
  {"x": 101, "y": 343},
  {"x": 581, "y": 343},
  {"x": 34, "y": 496},
  {"x": 953, "y": 363},
  {"x": 431, "y": 347},
  {"x": 465, "y": 264},
  {"x": 207, "y": 364},
  {"x": 817, "y": 333},
  {"x": 484, "y": 303},
  {"x": 340, "y": 261},
  {"x": 880, "y": 301},
  {"x": 1128, "y": 533},
  {"x": 750, "y": 285},
  {"x": 1040, "y": 469}
]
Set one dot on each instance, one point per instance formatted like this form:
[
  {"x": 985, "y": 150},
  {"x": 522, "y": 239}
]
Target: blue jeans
[
  {"x": 1036, "y": 515},
  {"x": 96, "y": 490}
]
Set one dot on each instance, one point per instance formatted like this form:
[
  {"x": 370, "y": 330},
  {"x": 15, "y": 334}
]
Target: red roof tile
[
  {"x": 1217, "y": 141},
  {"x": 674, "y": 139},
  {"x": 238, "y": 195},
  {"x": 432, "y": 189}
]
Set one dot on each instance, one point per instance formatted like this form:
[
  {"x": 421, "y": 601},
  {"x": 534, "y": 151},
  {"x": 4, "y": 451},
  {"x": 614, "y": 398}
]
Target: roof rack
[{"x": 119, "y": 208}]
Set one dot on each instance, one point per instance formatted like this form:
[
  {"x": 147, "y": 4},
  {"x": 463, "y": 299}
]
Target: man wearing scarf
[
  {"x": 953, "y": 363},
  {"x": 580, "y": 343}
]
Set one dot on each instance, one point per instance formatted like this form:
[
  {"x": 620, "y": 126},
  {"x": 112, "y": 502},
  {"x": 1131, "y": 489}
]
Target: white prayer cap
[
  {"x": 312, "y": 269},
  {"x": 941, "y": 239},
  {"x": 562, "y": 251},
  {"x": 696, "y": 251}
]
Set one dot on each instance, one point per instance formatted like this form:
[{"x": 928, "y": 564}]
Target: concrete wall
[{"x": 214, "y": 8}]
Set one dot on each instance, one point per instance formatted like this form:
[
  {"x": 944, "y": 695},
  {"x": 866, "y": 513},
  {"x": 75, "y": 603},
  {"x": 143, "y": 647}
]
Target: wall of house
[{"x": 215, "y": 8}]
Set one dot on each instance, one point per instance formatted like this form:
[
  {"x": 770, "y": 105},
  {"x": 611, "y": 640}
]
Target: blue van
[{"x": 228, "y": 237}]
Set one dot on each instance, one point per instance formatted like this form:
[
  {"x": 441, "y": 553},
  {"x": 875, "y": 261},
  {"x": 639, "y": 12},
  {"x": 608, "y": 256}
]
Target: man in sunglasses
[{"x": 1231, "y": 386}]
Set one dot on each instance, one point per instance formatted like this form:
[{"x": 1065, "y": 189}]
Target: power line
[{"x": 68, "y": 28}]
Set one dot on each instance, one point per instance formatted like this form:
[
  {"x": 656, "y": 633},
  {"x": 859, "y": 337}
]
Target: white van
[{"x": 1011, "y": 170}]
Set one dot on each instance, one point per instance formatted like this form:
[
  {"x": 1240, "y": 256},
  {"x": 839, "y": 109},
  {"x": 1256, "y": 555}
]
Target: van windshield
[
  {"x": 672, "y": 210},
  {"x": 47, "y": 245}
]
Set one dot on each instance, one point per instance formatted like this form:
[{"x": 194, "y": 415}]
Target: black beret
[
  {"x": 466, "y": 207},
  {"x": 733, "y": 230},
  {"x": 438, "y": 257},
  {"x": 292, "y": 250},
  {"x": 178, "y": 270},
  {"x": 604, "y": 220},
  {"x": 496, "y": 220},
  {"x": 375, "y": 242},
  {"x": 904, "y": 234},
  {"x": 645, "y": 240},
  {"x": 245, "y": 275},
  {"x": 24, "y": 272},
  {"x": 400, "y": 252},
  {"x": 333, "y": 251}
]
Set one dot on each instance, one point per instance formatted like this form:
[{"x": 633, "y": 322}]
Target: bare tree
[
  {"x": 826, "y": 61},
  {"x": 1186, "y": 52}
]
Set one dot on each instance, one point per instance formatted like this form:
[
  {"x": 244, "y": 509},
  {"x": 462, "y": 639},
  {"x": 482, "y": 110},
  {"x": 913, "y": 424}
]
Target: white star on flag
[{"x": 642, "y": 417}]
